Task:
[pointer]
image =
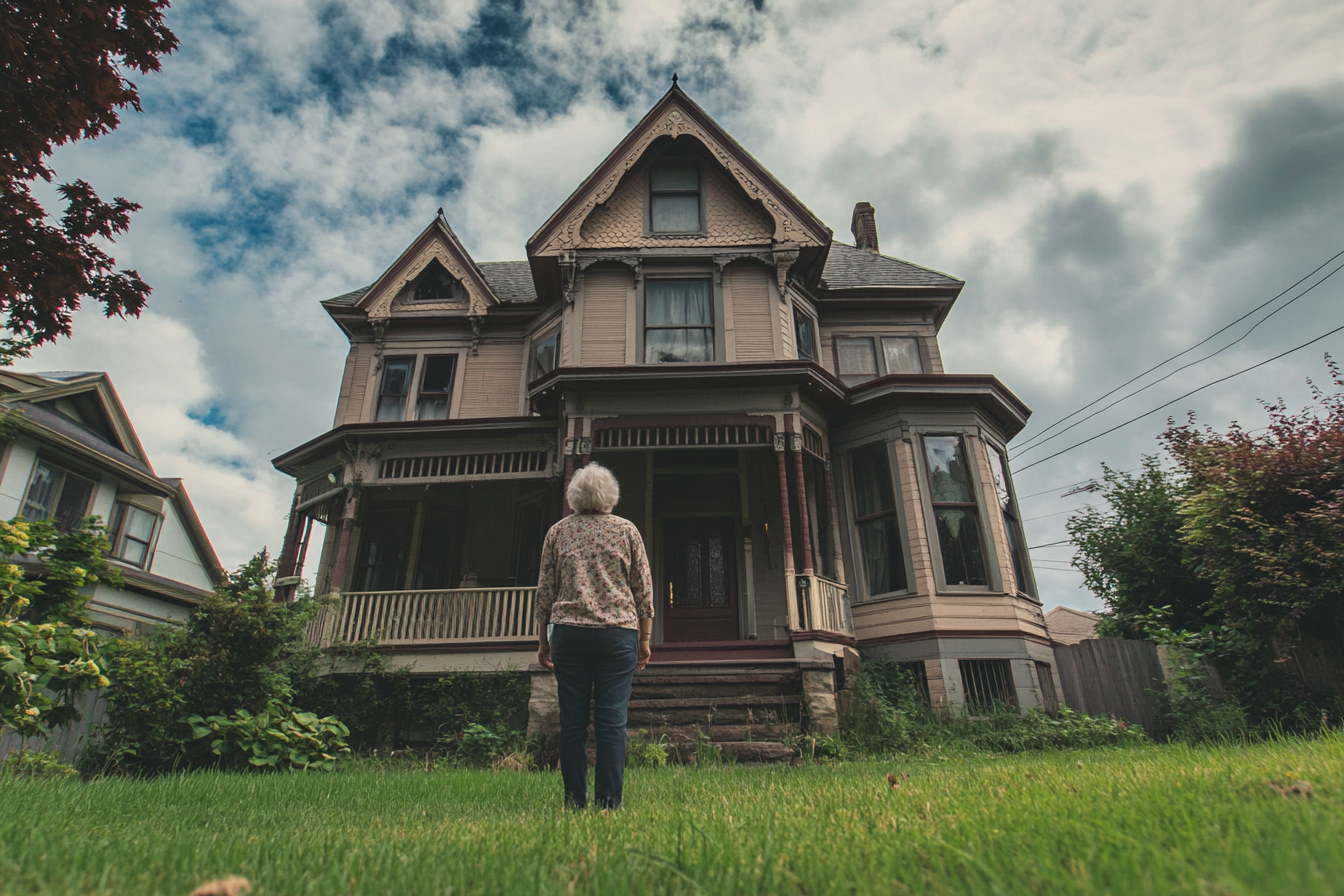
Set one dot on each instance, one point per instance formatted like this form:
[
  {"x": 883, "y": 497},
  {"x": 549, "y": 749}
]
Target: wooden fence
[
  {"x": 1113, "y": 676},
  {"x": 68, "y": 738}
]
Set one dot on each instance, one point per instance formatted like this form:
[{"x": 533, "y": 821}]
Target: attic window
[
  {"x": 674, "y": 198},
  {"x": 437, "y": 285}
]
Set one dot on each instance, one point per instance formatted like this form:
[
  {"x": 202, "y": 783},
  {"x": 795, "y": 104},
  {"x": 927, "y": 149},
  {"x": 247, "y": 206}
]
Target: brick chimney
[{"x": 864, "y": 227}]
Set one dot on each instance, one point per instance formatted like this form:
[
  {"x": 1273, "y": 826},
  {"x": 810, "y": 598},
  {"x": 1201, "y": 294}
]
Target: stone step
[
  {"x": 658, "y": 677},
  {"x": 776, "y": 700},
  {"x": 661, "y": 716},
  {"x": 716, "y": 691}
]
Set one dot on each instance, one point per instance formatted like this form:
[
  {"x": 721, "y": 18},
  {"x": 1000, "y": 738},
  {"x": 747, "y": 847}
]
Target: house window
[
  {"x": 955, "y": 511},
  {"x": 545, "y": 354},
  {"x": 986, "y": 683},
  {"x": 678, "y": 321},
  {"x": 58, "y": 495},
  {"x": 875, "y": 520},
  {"x": 133, "y": 531},
  {"x": 436, "y": 388},
  {"x": 437, "y": 285},
  {"x": 1012, "y": 521},
  {"x": 674, "y": 199},
  {"x": 804, "y": 335},
  {"x": 862, "y": 358},
  {"x": 397, "y": 374}
]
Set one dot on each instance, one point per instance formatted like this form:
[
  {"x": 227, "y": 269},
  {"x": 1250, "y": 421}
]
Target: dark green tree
[{"x": 1131, "y": 554}]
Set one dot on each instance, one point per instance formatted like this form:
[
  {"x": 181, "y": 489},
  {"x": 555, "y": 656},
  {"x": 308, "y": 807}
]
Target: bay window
[
  {"x": 955, "y": 511},
  {"x": 875, "y": 520},
  {"x": 1012, "y": 521}
]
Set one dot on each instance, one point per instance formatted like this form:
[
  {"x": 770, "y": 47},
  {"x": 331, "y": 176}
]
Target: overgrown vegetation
[
  {"x": 48, "y": 654},
  {"x": 887, "y": 717},
  {"x": 1236, "y": 558}
]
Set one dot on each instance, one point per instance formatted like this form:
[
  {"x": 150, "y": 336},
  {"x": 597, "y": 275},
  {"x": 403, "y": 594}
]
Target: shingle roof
[
  {"x": 1069, "y": 626},
  {"x": 349, "y": 298},
  {"x": 851, "y": 268},
  {"x": 72, "y": 429},
  {"x": 511, "y": 281}
]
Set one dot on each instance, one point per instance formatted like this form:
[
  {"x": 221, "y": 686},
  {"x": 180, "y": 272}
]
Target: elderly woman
[{"x": 596, "y": 593}]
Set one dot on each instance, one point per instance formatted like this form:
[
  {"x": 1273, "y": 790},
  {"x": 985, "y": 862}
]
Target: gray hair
[{"x": 593, "y": 488}]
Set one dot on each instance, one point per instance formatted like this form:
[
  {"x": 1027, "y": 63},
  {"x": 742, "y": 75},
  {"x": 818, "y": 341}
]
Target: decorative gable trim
[
  {"x": 676, "y": 115},
  {"x": 109, "y": 403},
  {"x": 436, "y": 242}
]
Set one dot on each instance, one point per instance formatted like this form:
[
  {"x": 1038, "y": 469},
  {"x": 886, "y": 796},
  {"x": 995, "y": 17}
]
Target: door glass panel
[
  {"x": 902, "y": 354},
  {"x": 718, "y": 587},
  {"x": 692, "y": 593}
]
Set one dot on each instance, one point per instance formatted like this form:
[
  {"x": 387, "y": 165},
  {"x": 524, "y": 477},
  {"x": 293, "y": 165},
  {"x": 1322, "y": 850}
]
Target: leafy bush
[
  {"x": 643, "y": 750},
  {"x": 475, "y": 746},
  {"x": 278, "y": 737},
  {"x": 47, "y": 654},
  {"x": 36, "y": 764},
  {"x": 229, "y": 658}
]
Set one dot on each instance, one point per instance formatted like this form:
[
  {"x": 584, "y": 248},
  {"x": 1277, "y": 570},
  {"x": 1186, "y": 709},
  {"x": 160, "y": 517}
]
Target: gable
[
  {"x": 731, "y": 218},
  {"x": 436, "y": 244},
  {"x": 90, "y": 403},
  {"x": 675, "y": 116}
]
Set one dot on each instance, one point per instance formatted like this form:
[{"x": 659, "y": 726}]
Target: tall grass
[{"x": 1160, "y": 819}]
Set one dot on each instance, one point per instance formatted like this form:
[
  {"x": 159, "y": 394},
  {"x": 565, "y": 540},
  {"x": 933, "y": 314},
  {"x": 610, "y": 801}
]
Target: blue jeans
[{"x": 594, "y": 667}]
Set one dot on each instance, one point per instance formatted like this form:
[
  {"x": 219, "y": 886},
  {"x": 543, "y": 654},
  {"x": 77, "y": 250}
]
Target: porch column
[
  {"x": 570, "y": 446},
  {"x": 800, "y": 482},
  {"x": 348, "y": 517},
  {"x": 784, "y": 507},
  {"x": 835, "y": 523},
  {"x": 289, "y": 552}
]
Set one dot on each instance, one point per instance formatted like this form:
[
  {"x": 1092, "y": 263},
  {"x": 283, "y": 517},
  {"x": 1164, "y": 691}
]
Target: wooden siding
[
  {"x": 490, "y": 382},
  {"x": 752, "y": 312},
  {"x": 354, "y": 384},
  {"x": 605, "y": 307}
]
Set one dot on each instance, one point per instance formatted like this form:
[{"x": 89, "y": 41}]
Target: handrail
[
  {"x": 416, "y": 616},
  {"x": 821, "y": 605}
]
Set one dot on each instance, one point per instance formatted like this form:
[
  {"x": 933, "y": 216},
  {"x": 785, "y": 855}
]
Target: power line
[
  {"x": 1051, "y": 544},
  {"x": 1181, "y": 397},
  {"x": 1057, "y": 513},
  {"x": 1146, "y": 387},
  {"x": 1185, "y": 351}
]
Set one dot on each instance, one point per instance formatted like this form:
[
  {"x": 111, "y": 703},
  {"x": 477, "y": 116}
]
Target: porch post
[
  {"x": 348, "y": 517},
  {"x": 800, "y": 482},
  {"x": 790, "y": 586},
  {"x": 570, "y": 447},
  {"x": 289, "y": 552},
  {"x": 748, "y": 564},
  {"x": 835, "y": 523}
]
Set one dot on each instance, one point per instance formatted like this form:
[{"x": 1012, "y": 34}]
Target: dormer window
[
  {"x": 674, "y": 198},
  {"x": 435, "y": 284}
]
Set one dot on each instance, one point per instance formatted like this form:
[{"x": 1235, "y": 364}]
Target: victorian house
[{"x": 811, "y": 484}]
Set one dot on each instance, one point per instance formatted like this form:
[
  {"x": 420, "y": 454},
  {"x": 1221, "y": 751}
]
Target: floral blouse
[{"x": 594, "y": 572}]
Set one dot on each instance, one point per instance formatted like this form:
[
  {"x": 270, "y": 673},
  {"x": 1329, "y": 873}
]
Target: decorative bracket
[
  {"x": 796, "y": 442},
  {"x": 586, "y": 446},
  {"x": 567, "y": 272},
  {"x": 476, "y": 321},
  {"x": 570, "y": 445},
  {"x": 379, "y": 325},
  {"x": 779, "y": 442},
  {"x": 783, "y": 260}
]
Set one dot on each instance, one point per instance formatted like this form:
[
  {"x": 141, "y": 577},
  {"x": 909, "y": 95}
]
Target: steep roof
[
  {"x": 851, "y": 268},
  {"x": 511, "y": 281},
  {"x": 72, "y": 429}
]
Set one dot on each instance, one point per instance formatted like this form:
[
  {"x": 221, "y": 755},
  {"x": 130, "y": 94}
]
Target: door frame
[{"x": 657, "y": 566}]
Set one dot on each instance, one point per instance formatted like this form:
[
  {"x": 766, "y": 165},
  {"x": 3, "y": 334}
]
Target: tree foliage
[
  {"x": 1131, "y": 554},
  {"x": 62, "y": 80}
]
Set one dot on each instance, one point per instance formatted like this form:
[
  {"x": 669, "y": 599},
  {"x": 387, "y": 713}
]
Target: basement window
[{"x": 987, "y": 684}]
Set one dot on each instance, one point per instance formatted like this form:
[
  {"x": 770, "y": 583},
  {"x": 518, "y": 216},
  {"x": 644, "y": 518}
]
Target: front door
[{"x": 699, "y": 586}]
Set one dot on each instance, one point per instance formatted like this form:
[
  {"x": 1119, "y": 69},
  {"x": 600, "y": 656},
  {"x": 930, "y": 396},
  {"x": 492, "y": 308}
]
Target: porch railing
[
  {"x": 820, "y": 605},
  {"x": 410, "y": 617}
]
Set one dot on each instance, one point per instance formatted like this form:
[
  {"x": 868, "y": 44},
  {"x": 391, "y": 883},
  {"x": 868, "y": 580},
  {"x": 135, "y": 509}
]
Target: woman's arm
[
  {"x": 641, "y": 588},
  {"x": 545, "y": 599}
]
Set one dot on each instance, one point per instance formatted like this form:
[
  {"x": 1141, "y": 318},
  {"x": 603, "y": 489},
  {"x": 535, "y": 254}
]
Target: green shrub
[
  {"x": 643, "y": 750},
  {"x": 36, "y": 764},
  {"x": 278, "y": 737}
]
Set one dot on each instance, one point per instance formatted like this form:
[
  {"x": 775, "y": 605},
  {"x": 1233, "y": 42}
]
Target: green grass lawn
[{"x": 1166, "y": 819}]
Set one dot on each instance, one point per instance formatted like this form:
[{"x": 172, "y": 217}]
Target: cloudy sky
[{"x": 1115, "y": 181}]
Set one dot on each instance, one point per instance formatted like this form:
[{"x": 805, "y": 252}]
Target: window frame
[
  {"x": 120, "y": 515},
  {"x": 800, "y": 315},
  {"x": 422, "y": 363},
  {"x": 457, "y": 294},
  {"x": 858, "y": 571},
  {"x": 541, "y": 339},
  {"x": 1026, "y": 575},
  {"x": 416, "y": 356},
  {"x": 879, "y": 353},
  {"x": 993, "y": 580},
  {"x": 66, "y": 472},
  {"x": 650, "y": 192},
  {"x": 643, "y": 326}
]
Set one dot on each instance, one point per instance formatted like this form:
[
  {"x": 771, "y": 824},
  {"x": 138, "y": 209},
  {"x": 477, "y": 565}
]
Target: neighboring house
[
  {"x": 1069, "y": 626},
  {"x": 808, "y": 479},
  {"x": 76, "y": 455}
]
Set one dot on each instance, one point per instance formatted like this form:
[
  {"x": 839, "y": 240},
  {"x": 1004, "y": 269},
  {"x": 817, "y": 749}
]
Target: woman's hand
[
  {"x": 544, "y": 654},
  {"x": 645, "y": 653}
]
